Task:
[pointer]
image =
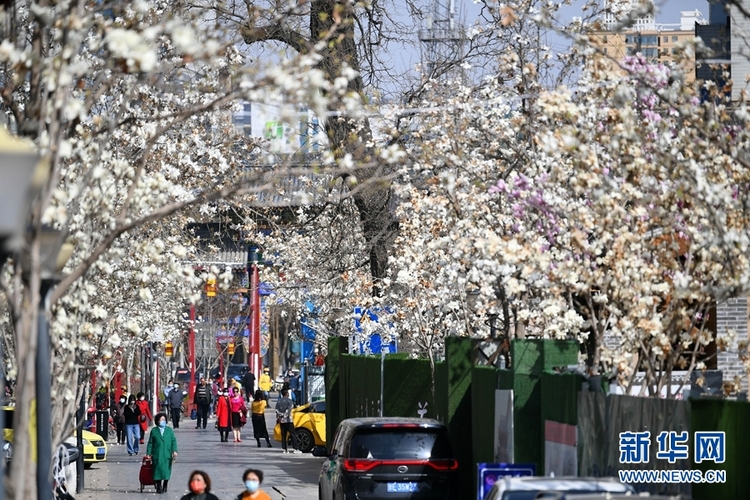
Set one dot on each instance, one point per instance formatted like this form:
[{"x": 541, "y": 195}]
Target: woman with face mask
[
  {"x": 118, "y": 417},
  {"x": 223, "y": 416},
  {"x": 199, "y": 486},
  {"x": 162, "y": 449},
  {"x": 252, "y": 479},
  {"x": 145, "y": 417},
  {"x": 132, "y": 425}
]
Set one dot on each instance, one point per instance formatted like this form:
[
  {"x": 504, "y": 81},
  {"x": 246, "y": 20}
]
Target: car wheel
[
  {"x": 87, "y": 465},
  {"x": 305, "y": 440}
]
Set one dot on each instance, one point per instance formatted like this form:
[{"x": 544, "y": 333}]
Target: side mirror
[{"x": 319, "y": 451}]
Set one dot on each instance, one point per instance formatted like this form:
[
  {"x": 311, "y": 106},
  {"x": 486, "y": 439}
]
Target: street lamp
[
  {"x": 53, "y": 255},
  {"x": 21, "y": 176},
  {"x": 253, "y": 291}
]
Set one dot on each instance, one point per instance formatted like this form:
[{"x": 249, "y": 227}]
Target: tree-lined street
[{"x": 287, "y": 476}]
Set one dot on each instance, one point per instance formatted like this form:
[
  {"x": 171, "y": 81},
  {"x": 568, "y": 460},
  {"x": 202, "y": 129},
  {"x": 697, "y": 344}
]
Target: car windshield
[{"x": 394, "y": 443}]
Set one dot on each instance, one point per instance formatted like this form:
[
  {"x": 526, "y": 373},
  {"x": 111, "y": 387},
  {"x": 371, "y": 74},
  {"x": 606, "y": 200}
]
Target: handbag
[{"x": 193, "y": 414}]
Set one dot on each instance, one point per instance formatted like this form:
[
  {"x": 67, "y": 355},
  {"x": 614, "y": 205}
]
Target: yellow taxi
[
  {"x": 94, "y": 447},
  {"x": 310, "y": 424}
]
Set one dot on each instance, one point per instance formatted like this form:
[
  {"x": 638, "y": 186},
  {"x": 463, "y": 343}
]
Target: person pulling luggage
[{"x": 162, "y": 449}]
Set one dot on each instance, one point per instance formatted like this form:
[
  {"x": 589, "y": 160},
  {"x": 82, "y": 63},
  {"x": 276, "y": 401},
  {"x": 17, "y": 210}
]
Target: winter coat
[
  {"x": 284, "y": 410},
  {"x": 145, "y": 410},
  {"x": 223, "y": 416},
  {"x": 132, "y": 414},
  {"x": 160, "y": 448},
  {"x": 175, "y": 398},
  {"x": 206, "y": 401},
  {"x": 265, "y": 382},
  {"x": 117, "y": 412},
  {"x": 249, "y": 382}
]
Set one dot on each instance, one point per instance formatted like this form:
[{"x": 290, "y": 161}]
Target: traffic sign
[{"x": 490, "y": 473}]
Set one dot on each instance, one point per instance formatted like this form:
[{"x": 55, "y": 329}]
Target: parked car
[
  {"x": 310, "y": 424},
  {"x": 380, "y": 458},
  {"x": 94, "y": 447},
  {"x": 533, "y": 487}
]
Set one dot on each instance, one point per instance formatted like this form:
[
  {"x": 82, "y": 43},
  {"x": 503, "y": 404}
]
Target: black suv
[{"x": 394, "y": 458}]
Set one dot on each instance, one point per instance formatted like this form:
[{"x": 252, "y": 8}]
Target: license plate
[
  {"x": 402, "y": 487},
  {"x": 100, "y": 451}
]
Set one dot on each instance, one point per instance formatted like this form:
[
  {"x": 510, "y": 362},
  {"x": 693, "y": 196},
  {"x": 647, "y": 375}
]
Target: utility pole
[{"x": 442, "y": 41}]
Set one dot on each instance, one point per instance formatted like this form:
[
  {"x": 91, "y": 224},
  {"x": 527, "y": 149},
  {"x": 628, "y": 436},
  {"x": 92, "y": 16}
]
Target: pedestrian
[
  {"x": 248, "y": 381},
  {"x": 284, "y": 418},
  {"x": 175, "y": 404},
  {"x": 223, "y": 416},
  {"x": 294, "y": 388},
  {"x": 146, "y": 417},
  {"x": 162, "y": 448},
  {"x": 264, "y": 383},
  {"x": 132, "y": 425},
  {"x": 118, "y": 417},
  {"x": 199, "y": 485},
  {"x": 253, "y": 479},
  {"x": 202, "y": 400},
  {"x": 258, "y": 410},
  {"x": 285, "y": 387},
  {"x": 237, "y": 407}
]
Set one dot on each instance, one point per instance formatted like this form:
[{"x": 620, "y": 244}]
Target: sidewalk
[{"x": 286, "y": 476}]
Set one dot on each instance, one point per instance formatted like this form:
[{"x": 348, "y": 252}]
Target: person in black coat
[
  {"x": 248, "y": 383},
  {"x": 132, "y": 414}
]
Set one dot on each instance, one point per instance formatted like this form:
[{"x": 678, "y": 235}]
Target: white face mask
[
  {"x": 143, "y": 398},
  {"x": 177, "y": 386},
  {"x": 122, "y": 401}
]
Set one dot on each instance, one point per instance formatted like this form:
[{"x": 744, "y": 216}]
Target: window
[
  {"x": 605, "y": 50},
  {"x": 629, "y": 38},
  {"x": 649, "y": 40},
  {"x": 674, "y": 39},
  {"x": 604, "y": 38},
  {"x": 665, "y": 39},
  {"x": 391, "y": 444}
]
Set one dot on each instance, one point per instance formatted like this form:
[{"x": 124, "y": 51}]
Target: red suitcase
[{"x": 146, "y": 475}]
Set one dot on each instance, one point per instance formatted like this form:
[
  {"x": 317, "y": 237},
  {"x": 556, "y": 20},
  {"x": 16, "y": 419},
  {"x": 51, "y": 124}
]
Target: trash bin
[{"x": 102, "y": 424}]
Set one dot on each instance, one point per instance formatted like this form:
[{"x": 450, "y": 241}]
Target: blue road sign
[{"x": 489, "y": 473}]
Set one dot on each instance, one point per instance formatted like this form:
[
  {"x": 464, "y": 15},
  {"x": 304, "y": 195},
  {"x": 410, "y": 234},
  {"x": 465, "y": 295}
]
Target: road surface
[{"x": 288, "y": 476}]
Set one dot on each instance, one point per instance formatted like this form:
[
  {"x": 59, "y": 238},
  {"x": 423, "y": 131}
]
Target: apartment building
[{"x": 657, "y": 42}]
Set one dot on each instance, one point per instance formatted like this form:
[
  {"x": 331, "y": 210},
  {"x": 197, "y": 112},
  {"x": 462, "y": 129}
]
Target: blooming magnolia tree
[
  {"x": 129, "y": 105},
  {"x": 613, "y": 215}
]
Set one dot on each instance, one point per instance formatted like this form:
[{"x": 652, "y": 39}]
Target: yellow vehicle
[
  {"x": 94, "y": 447},
  {"x": 310, "y": 424}
]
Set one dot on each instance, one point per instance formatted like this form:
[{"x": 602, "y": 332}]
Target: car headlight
[{"x": 86, "y": 442}]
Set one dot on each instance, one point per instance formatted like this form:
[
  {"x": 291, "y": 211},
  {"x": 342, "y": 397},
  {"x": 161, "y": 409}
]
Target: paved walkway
[{"x": 289, "y": 476}]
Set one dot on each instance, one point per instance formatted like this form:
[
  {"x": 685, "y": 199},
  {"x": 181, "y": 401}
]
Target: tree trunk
[{"x": 350, "y": 136}]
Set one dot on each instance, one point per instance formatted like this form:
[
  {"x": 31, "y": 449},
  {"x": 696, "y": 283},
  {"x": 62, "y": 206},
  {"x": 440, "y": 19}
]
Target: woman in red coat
[
  {"x": 146, "y": 416},
  {"x": 223, "y": 416}
]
